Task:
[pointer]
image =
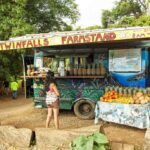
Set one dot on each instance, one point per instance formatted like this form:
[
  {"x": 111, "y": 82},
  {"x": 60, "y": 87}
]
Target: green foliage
[
  {"x": 131, "y": 21},
  {"x": 20, "y": 17},
  {"x": 96, "y": 141},
  {"x": 13, "y": 20},
  {"x": 143, "y": 21},
  {"x": 93, "y": 27},
  {"x": 107, "y": 18},
  {"x": 51, "y": 15},
  {"x": 88, "y": 28},
  {"x": 126, "y": 13},
  {"x": 11, "y": 65},
  {"x": 147, "y": 2}
]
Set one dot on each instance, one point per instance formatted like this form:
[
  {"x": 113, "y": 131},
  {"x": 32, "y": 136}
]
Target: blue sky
[{"x": 91, "y": 10}]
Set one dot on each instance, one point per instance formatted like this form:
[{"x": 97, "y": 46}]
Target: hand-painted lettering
[
  {"x": 64, "y": 39},
  {"x": 92, "y": 37},
  {"x": 23, "y": 44},
  {"x": 29, "y": 43},
  {"x": 88, "y": 38},
  {"x": 98, "y": 37},
  {"x": 1, "y": 46},
  {"x": 35, "y": 43},
  {"x": 39, "y": 43},
  {"x": 112, "y": 36},
  {"x": 18, "y": 45},
  {"x": 81, "y": 39},
  {"x": 8, "y": 45},
  {"x": 76, "y": 39},
  {"x": 70, "y": 40},
  {"x": 46, "y": 42}
]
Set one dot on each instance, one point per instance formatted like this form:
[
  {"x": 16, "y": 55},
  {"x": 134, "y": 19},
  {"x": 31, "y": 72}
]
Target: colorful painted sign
[
  {"x": 78, "y": 37},
  {"x": 133, "y": 72}
]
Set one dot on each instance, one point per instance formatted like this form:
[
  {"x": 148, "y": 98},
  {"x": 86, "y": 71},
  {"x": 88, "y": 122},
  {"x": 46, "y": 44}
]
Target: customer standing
[
  {"x": 52, "y": 99},
  {"x": 14, "y": 89}
]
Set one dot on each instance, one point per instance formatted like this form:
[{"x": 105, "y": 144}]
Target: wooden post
[{"x": 24, "y": 76}]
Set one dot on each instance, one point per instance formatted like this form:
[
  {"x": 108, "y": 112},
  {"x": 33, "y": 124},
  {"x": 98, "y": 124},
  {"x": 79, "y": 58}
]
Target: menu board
[{"x": 125, "y": 60}]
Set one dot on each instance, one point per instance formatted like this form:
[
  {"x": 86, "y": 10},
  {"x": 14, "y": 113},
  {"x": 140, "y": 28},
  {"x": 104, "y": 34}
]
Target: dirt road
[{"x": 22, "y": 114}]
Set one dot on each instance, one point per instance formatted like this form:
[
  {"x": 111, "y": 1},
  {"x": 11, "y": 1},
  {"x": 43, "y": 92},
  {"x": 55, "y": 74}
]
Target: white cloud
[{"x": 91, "y": 11}]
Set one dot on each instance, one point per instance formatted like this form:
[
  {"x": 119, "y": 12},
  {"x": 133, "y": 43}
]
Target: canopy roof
[{"x": 76, "y": 37}]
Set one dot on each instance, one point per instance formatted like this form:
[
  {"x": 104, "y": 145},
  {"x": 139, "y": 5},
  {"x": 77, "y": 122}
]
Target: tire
[{"x": 84, "y": 109}]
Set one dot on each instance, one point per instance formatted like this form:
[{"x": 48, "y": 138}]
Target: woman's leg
[
  {"x": 56, "y": 117},
  {"x": 49, "y": 116}
]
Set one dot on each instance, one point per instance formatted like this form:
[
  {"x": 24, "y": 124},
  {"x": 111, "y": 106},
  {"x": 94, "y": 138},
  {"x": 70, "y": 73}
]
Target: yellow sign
[{"x": 80, "y": 37}]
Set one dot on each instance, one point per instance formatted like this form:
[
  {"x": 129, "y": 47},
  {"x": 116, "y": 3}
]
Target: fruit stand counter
[{"x": 135, "y": 115}]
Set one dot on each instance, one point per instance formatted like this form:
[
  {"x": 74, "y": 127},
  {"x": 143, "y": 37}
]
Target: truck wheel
[{"x": 84, "y": 109}]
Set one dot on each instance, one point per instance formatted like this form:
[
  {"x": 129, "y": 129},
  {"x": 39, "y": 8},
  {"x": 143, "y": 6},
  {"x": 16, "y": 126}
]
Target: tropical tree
[
  {"x": 51, "y": 15},
  {"x": 20, "y": 17},
  {"x": 13, "y": 20},
  {"x": 125, "y": 13}
]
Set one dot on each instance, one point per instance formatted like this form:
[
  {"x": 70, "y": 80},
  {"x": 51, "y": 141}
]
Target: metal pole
[{"x": 24, "y": 76}]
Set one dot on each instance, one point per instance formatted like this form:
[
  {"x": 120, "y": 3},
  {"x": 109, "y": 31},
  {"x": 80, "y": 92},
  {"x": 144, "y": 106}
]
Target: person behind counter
[{"x": 52, "y": 99}]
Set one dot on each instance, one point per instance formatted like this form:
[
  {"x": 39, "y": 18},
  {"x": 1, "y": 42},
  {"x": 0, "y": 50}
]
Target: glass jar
[
  {"x": 89, "y": 70},
  {"x": 28, "y": 70},
  {"x": 103, "y": 70}
]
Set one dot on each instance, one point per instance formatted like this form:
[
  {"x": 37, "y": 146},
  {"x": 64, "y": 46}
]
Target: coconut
[
  {"x": 131, "y": 102},
  {"x": 137, "y": 102},
  {"x": 147, "y": 98},
  {"x": 139, "y": 94},
  {"x": 141, "y": 98},
  {"x": 143, "y": 102},
  {"x": 135, "y": 98}
]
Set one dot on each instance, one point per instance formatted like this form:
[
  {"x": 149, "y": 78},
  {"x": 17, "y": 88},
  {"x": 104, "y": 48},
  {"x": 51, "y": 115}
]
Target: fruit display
[
  {"x": 109, "y": 96},
  {"x": 126, "y": 95},
  {"x": 39, "y": 72},
  {"x": 140, "y": 98}
]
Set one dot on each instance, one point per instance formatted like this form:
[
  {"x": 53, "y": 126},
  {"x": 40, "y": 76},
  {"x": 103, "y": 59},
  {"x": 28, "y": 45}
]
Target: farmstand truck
[{"x": 85, "y": 62}]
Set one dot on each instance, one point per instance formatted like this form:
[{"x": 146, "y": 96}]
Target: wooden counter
[{"x": 65, "y": 77}]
